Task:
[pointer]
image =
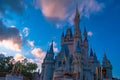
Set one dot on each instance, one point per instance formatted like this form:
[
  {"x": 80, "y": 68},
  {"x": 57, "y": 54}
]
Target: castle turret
[
  {"x": 95, "y": 57},
  {"x": 107, "y": 67},
  {"x": 49, "y": 64},
  {"x": 91, "y": 53},
  {"x": 91, "y": 57},
  {"x": 85, "y": 43}
]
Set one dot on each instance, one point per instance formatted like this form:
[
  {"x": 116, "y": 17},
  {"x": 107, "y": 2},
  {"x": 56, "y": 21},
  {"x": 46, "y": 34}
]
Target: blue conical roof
[
  {"x": 51, "y": 47},
  {"x": 91, "y": 52}
]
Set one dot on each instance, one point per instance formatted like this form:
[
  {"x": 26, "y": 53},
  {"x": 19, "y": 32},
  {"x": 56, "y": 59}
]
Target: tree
[
  {"x": 24, "y": 67},
  {"x": 5, "y": 64}
]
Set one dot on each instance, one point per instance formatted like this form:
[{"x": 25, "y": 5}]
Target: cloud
[
  {"x": 38, "y": 53},
  {"x": 10, "y": 38},
  {"x": 19, "y": 57},
  {"x": 30, "y": 60},
  {"x": 90, "y": 33},
  {"x": 39, "y": 56},
  {"x": 62, "y": 10},
  {"x": 9, "y": 44},
  {"x": 26, "y": 31},
  {"x": 30, "y": 43},
  {"x": 55, "y": 47}
]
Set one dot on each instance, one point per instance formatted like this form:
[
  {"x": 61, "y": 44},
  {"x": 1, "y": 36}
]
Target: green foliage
[
  {"x": 25, "y": 68},
  {"x": 5, "y": 64}
]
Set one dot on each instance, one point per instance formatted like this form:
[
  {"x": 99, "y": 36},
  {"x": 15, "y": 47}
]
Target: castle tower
[
  {"x": 77, "y": 31},
  {"x": 49, "y": 64},
  {"x": 91, "y": 57},
  {"x": 107, "y": 68},
  {"x": 73, "y": 61}
]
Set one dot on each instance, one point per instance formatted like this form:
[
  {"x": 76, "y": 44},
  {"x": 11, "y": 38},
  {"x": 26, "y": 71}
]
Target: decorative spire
[
  {"x": 77, "y": 31},
  {"x": 51, "y": 47},
  {"x": 77, "y": 15},
  {"x": 85, "y": 33},
  {"x": 91, "y": 52},
  {"x": 105, "y": 57},
  {"x": 50, "y": 53},
  {"x": 63, "y": 34}
]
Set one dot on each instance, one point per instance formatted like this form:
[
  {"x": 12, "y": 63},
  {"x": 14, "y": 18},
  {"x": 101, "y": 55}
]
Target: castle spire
[
  {"x": 63, "y": 34},
  {"x": 77, "y": 32},
  {"x": 105, "y": 57},
  {"x": 51, "y": 47},
  {"x": 85, "y": 33},
  {"x": 91, "y": 52},
  {"x": 77, "y": 15}
]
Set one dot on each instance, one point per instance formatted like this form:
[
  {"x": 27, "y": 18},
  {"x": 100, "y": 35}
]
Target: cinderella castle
[{"x": 75, "y": 61}]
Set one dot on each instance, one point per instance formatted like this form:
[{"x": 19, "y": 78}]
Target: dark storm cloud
[
  {"x": 14, "y": 5},
  {"x": 10, "y": 35}
]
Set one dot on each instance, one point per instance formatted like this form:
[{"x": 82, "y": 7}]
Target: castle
[{"x": 75, "y": 61}]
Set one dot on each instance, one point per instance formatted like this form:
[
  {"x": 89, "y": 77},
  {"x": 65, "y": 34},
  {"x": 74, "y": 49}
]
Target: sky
[{"x": 27, "y": 27}]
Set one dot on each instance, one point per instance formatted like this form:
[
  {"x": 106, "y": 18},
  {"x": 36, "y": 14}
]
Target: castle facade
[{"x": 75, "y": 61}]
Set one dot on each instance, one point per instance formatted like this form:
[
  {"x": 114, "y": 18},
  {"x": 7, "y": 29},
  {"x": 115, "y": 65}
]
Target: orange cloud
[
  {"x": 38, "y": 53},
  {"x": 19, "y": 57},
  {"x": 10, "y": 44}
]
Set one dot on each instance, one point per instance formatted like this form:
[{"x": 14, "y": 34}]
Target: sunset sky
[{"x": 27, "y": 27}]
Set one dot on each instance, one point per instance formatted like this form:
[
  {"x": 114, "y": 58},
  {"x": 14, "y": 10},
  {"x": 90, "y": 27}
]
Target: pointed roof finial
[
  {"x": 63, "y": 34},
  {"x": 85, "y": 34},
  {"x": 85, "y": 30},
  {"x": 77, "y": 15},
  {"x": 91, "y": 52},
  {"x": 77, "y": 11},
  {"x": 105, "y": 57},
  {"x": 51, "y": 47}
]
